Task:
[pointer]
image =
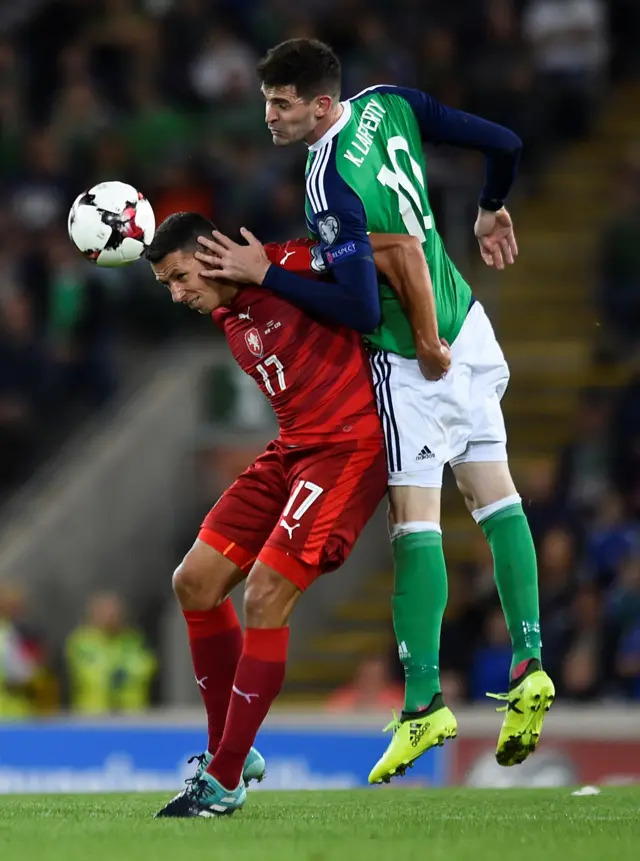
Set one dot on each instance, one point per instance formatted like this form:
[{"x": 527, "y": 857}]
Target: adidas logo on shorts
[{"x": 425, "y": 454}]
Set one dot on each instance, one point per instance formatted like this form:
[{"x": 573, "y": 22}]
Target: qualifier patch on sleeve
[
  {"x": 342, "y": 251},
  {"x": 329, "y": 229}
]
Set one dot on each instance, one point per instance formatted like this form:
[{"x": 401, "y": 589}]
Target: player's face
[
  {"x": 179, "y": 272},
  {"x": 289, "y": 117}
]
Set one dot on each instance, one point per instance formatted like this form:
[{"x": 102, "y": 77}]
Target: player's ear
[{"x": 323, "y": 106}]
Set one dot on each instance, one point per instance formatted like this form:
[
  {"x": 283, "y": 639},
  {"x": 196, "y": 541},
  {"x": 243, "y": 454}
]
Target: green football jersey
[{"x": 368, "y": 175}]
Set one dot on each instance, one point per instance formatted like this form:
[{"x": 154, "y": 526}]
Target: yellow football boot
[
  {"x": 411, "y": 738},
  {"x": 526, "y": 706}
]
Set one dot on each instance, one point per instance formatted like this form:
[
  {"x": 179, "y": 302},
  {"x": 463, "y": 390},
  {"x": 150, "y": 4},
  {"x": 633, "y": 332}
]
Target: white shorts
[{"x": 455, "y": 420}]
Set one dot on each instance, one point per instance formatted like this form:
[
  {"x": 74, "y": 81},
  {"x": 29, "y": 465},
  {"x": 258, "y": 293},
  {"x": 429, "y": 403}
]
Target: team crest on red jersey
[{"x": 254, "y": 342}]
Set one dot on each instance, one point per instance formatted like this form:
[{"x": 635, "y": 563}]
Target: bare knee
[
  {"x": 193, "y": 589},
  {"x": 204, "y": 578},
  {"x": 484, "y": 483},
  {"x": 467, "y": 493},
  {"x": 414, "y": 504},
  {"x": 269, "y": 598}
]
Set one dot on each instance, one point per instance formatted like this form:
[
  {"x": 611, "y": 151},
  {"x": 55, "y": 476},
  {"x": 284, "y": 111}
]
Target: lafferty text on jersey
[{"x": 316, "y": 374}]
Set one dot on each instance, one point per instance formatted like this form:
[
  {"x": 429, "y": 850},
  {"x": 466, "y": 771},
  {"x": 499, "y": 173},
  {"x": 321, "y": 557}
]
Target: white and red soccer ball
[{"x": 111, "y": 223}]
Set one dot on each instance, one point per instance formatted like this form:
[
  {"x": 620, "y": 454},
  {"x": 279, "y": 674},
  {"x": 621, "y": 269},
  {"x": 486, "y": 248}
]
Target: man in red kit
[{"x": 291, "y": 516}]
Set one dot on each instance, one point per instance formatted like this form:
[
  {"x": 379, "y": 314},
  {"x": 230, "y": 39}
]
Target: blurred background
[{"x": 122, "y": 418}]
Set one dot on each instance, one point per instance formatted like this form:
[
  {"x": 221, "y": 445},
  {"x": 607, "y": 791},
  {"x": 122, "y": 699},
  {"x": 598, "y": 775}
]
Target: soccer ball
[{"x": 111, "y": 224}]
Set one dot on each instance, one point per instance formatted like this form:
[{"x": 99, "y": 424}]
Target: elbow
[
  {"x": 406, "y": 242},
  {"x": 413, "y": 248},
  {"x": 504, "y": 143},
  {"x": 405, "y": 245},
  {"x": 515, "y": 144},
  {"x": 405, "y": 254},
  {"x": 411, "y": 260}
]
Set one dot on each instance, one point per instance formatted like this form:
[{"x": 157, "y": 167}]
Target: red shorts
[{"x": 299, "y": 510}]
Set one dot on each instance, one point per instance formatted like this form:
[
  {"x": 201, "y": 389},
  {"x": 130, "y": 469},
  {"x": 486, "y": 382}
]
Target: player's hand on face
[
  {"x": 434, "y": 360},
  {"x": 243, "y": 264},
  {"x": 496, "y": 238}
]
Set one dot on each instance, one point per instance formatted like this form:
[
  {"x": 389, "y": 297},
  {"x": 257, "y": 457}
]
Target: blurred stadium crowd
[{"x": 163, "y": 94}]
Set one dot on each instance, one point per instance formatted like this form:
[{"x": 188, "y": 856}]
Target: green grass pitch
[{"x": 446, "y": 825}]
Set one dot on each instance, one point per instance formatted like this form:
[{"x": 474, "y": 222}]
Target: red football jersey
[{"x": 316, "y": 374}]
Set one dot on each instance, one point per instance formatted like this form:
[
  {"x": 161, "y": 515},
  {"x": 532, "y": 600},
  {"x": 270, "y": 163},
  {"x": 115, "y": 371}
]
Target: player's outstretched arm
[
  {"x": 500, "y": 146},
  {"x": 401, "y": 259},
  {"x": 352, "y": 299}
]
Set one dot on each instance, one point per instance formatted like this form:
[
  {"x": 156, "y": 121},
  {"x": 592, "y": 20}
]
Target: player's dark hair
[
  {"x": 306, "y": 64},
  {"x": 178, "y": 232}
]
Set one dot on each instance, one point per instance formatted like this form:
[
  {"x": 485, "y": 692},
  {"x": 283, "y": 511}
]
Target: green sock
[
  {"x": 419, "y": 601},
  {"x": 516, "y": 575}
]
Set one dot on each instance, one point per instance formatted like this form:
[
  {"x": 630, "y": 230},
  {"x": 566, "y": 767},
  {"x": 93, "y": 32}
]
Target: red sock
[
  {"x": 215, "y": 638},
  {"x": 258, "y": 680}
]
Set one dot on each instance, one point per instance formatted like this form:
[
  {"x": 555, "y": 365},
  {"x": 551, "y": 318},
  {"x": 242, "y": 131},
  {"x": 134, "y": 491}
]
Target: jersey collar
[{"x": 335, "y": 128}]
